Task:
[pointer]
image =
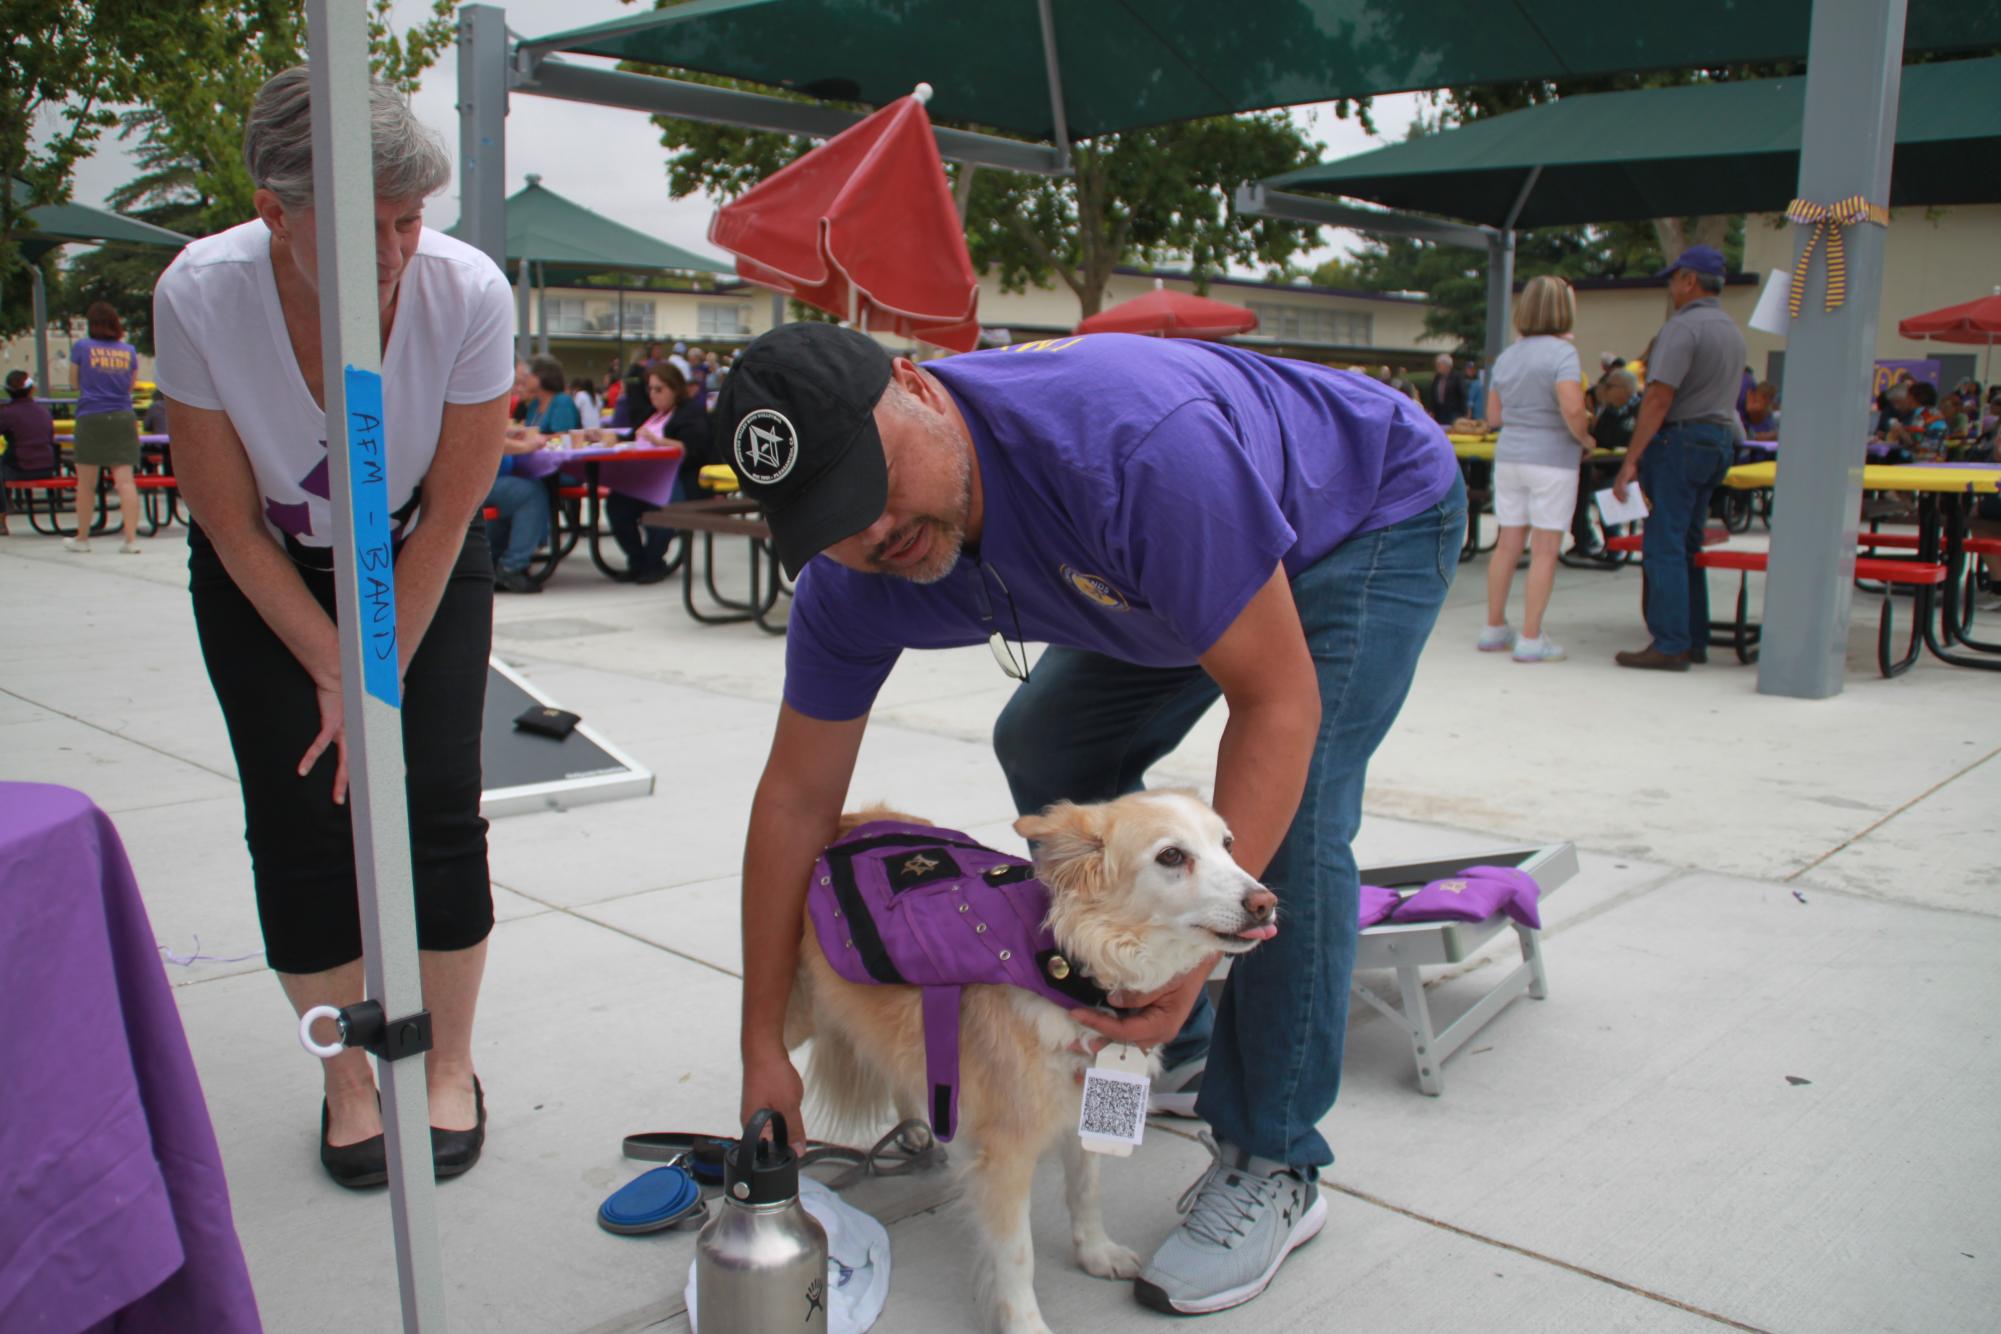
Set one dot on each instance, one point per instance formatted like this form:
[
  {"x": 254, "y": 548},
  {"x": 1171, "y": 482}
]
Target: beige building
[{"x": 1932, "y": 258}]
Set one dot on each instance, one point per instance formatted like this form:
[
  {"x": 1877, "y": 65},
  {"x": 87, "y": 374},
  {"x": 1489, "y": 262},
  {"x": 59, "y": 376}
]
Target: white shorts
[{"x": 1534, "y": 495}]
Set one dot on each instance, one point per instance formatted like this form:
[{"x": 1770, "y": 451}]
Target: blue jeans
[
  {"x": 524, "y": 517},
  {"x": 1679, "y": 472},
  {"x": 1087, "y": 727}
]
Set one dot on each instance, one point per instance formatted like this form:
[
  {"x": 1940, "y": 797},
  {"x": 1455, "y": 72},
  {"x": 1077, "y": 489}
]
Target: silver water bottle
[{"x": 761, "y": 1262}]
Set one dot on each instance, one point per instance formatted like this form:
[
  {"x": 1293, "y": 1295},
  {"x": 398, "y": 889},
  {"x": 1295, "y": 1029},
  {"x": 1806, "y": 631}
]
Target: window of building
[
  {"x": 729, "y": 319},
  {"x": 566, "y": 315},
  {"x": 1291, "y": 323}
]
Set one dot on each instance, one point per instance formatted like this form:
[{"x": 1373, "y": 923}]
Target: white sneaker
[
  {"x": 1497, "y": 639},
  {"x": 82, "y": 548},
  {"x": 131, "y": 548},
  {"x": 1544, "y": 649}
]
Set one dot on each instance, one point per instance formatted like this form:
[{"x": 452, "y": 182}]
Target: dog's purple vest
[{"x": 915, "y": 905}]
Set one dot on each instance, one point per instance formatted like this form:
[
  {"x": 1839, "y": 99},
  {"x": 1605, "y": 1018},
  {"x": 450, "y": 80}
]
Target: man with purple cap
[
  {"x": 1683, "y": 443},
  {"x": 1179, "y": 521}
]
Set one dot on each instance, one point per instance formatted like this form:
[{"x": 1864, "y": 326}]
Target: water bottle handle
[{"x": 754, "y": 1130}]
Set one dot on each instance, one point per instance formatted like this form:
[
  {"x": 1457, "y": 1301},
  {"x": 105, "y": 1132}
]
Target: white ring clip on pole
[
  {"x": 922, "y": 92},
  {"x": 325, "y": 1053}
]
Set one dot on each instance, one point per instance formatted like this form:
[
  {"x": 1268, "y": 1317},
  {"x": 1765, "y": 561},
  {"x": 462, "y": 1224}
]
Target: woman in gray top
[{"x": 1537, "y": 400}]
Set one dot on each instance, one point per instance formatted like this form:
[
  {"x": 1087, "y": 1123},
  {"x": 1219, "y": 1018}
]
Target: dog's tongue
[{"x": 1265, "y": 932}]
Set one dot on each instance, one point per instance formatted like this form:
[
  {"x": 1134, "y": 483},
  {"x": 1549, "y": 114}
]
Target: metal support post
[
  {"x": 483, "y": 130},
  {"x": 1254, "y": 199},
  {"x": 1500, "y": 291},
  {"x": 1052, "y": 68},
  {"x": 542, "y": 307},
  {"x": 1853, "y": 77},
  {"x": 777, "y": 309},
  {"x": 365, "y": 588},
  {"x": 41, "y": 302},
  {"x": 523, "y": 349}
]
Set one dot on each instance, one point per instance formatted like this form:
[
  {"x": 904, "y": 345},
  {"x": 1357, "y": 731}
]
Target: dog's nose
[{"x": 1261, "y": 904}]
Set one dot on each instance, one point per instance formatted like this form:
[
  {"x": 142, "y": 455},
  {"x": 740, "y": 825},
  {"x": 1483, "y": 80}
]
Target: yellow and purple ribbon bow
[{"x": 1828, "y": 220}]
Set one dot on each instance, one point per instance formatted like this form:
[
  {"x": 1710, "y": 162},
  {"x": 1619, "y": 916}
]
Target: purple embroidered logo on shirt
[{"x": 1095, "y": 587}]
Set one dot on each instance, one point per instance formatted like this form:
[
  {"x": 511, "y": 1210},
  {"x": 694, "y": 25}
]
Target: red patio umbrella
[
  {"x": 1172, "y": 315},
  {"x": 1976, "y": 322},
  {"x": 864, "y": 227}
]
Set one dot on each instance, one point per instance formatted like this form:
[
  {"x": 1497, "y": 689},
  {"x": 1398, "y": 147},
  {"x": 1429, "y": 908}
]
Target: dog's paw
[{"x": 1105, "y": 1258}]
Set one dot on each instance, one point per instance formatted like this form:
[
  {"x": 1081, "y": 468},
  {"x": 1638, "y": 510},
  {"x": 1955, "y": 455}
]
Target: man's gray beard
[{"x": 949, "y": 536}]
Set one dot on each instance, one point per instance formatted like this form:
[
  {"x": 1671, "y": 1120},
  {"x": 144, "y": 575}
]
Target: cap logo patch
[
  {"x": 1095, "y": 587},
  {"x": 766, "y": 446}
]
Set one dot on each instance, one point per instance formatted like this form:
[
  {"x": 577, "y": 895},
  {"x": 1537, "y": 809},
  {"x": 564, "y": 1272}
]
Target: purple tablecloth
[
  {"x": 113, "y": 1209},
  {"x": 650, "y": 480}
]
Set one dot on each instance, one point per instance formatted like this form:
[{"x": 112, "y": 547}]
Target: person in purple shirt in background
[
  {"x": 107, "y": 430},
  {"x": 1179, "y": 521},
  {"x": 30, "y": 433}
]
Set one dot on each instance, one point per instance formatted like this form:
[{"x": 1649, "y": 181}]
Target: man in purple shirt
[{"x": 1179, "y": 521}]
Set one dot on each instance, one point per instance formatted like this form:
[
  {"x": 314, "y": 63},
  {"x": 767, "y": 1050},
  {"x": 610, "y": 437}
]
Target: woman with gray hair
[{"x": 237, "y": 326}]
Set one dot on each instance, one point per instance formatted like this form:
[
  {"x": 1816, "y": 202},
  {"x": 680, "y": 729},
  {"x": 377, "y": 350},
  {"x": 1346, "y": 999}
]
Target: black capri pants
[{"x": 301, "y": 843}]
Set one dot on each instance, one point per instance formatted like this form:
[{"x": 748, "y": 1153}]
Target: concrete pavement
[{"x": 1760, "y": 1094}]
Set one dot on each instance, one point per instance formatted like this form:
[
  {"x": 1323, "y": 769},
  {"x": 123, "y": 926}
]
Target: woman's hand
[
  {"x": 771, "y": 1080},
  {"x": 333, "y": 732}
]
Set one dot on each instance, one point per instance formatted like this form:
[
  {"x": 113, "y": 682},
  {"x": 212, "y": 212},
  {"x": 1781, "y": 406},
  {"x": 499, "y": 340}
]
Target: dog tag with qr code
[{"x": 1113, "y": 1117}]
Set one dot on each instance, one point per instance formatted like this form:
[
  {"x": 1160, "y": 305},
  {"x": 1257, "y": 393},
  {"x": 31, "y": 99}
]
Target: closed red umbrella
[
  {"x": 864, "y": 227},
  {"x": 1172, "y": 315},
  {"x": 1976, "y": 322}
]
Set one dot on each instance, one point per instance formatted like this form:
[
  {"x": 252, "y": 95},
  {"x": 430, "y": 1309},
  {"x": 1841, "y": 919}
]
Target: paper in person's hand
[{"x": 1614, "y": 510}]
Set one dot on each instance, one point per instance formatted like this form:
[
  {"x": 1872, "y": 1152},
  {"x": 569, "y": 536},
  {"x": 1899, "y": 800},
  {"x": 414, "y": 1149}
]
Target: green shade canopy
[
  {"x": 1124, "y": 63},
  {"x": 61, "y": 224},
  {"x": 572, "y": 241},
  {"x": 1672, "y": 152}
]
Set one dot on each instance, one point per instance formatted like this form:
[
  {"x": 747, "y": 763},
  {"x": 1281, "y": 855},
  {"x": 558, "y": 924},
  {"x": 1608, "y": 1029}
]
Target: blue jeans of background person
[
  {"x": 645, "y": 548},
  {"x": 1087, "y": 727},
  {"x": 524, "y": 518},
  {"x": 1680, "y": 472}
]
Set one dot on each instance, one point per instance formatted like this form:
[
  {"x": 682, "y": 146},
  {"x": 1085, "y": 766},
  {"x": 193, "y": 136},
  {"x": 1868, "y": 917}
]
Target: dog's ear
[{"x": 1069, "y": 843}]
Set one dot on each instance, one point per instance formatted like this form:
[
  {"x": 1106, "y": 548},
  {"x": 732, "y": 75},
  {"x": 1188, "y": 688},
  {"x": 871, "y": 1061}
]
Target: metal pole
[
  {"x": 41, "y": 295},
  {"x": 365, "y": 589},
  {"x": 483, "y": 130},
  {"x": 1850, "y": 127},
  {"x": 523, "y": 349},
  {"x": 1052, "y": 66},
  {"x": 777, "y": 309},
  {"x": 542, "y": 307},
  {"x": 1500, "y": 291}
]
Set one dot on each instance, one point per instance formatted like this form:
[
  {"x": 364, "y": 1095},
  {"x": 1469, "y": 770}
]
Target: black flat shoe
[
  {"x": 455, "y": 1151},
  {"x": 356, "y": 1166}
]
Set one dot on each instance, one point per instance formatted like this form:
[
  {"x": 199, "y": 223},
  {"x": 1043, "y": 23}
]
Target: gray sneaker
[{"x": 1244, "y": 1217}]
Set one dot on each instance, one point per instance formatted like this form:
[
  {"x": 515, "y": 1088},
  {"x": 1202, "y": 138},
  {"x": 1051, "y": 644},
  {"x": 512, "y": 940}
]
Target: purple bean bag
[
  {"x": 1377, "y": 904},
  {"x": 1474, "y": 895}
]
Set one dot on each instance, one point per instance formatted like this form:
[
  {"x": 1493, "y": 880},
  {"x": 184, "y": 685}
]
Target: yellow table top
[
  {"x": 1882, "y": 477},
  {"x": 718, "y": 477},
  {"x": 1482, "y": 447}
]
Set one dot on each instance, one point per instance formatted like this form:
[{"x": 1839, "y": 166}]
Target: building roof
[{"x": 572, "y": 241}]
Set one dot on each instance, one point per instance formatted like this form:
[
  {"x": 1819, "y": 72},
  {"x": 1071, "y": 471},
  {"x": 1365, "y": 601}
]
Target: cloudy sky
[{"x": 611, "y": 160}]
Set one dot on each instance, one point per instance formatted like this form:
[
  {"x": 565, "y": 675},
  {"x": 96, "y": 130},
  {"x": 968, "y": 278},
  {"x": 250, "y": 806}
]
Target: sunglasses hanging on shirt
[{"x": 1012, "y": 656}]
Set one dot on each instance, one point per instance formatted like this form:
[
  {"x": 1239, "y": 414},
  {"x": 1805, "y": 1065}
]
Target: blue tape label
[{"x": 374, "y": 554}]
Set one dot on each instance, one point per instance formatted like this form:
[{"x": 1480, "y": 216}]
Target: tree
[
  {"x": 196, "y": 70},
  {"x": 61, "y": 67},
  {"x": 1142, "y": 196}
]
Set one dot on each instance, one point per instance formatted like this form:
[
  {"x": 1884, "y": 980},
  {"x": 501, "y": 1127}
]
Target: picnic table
[
  {"x": 1476, "y": 460},
  {"x": 644, "y": 472},
  {"x": 1945, "y": 493}
]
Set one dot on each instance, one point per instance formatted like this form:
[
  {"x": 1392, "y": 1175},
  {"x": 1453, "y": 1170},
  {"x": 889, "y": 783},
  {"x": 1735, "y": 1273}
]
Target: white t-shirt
[
  {"x": 587, "y": 409},
  {"x": 221, "y": 344},
  {"x": 1532, "y": 425}
]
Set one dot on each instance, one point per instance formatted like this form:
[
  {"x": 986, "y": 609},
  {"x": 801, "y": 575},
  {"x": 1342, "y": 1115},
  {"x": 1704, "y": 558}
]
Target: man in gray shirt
[{"x": 1681, "y": 447}]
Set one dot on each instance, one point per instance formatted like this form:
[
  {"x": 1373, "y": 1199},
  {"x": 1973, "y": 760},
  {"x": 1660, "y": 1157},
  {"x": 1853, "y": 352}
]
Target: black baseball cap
[{"x": 798, "y": 412}]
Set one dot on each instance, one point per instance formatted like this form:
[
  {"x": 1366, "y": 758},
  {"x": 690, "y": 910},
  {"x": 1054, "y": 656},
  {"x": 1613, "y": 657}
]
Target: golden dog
[{"x": 1142, "y": 890}]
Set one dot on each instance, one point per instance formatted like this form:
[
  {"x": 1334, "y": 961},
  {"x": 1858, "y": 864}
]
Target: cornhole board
[
  {"x": 1407, "y": 949},
  {"x": 524, "y": 771}
]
